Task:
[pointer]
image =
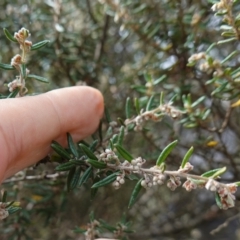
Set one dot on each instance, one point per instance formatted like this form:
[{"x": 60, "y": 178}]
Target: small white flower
[{"x": 211, "y": 185}]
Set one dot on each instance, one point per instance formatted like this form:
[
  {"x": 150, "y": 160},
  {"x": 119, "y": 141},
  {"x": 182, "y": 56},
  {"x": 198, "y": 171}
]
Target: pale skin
[{"x": 29, "y": 124}]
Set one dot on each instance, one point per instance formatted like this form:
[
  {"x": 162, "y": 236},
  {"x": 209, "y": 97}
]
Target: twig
[
  {"x": 226, "y": 119},
  {"x": 169, "y": 173},
  {"x": 37, "y": 177},
  {"x": 224, "y": 225},
  {"x": 100, "y": 47}
]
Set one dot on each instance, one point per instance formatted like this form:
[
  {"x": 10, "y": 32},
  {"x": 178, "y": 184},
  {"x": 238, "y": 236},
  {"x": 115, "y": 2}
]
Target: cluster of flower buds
[
  {"x": 225, "y": 192},
  {"x": 154, "y": 115},
  {"x": 21, "y": 37},
  {"x": 206, "y": 65},
  {"x": 3, "y": 212},
  {"x": 189, "y": 185},
  {"x": 18, "y": 82},
  {"x": 173, "y": 182},
  {"x": 138, "y": 162},
  {"x": 14, "y": 84},
  {"x": 159, "y": 179},
  {"x": 215, "y": 65},
  {"x": 91, "y": 232},
  {"x": 118, "y": 182},
  {"x": 197, "y": 56},
  {"x": 187, "y": 168},
  {"x": 218, "y": 73},
  {"x": 147, "y": 182},
  {"x": 16, "y": 61},
  {"x": 226, "y": 195},
  {"x": 141, "y": 118},
  {"x": 171, "y": 111},
  {"x": 108, "y": 155}
]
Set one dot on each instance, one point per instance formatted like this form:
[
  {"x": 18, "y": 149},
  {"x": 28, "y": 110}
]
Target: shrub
[{"x": 169, "y": 73}]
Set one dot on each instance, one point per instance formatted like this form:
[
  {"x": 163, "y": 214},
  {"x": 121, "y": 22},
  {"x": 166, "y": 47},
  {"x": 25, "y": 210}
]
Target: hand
[{"x": 29, "y": 124}]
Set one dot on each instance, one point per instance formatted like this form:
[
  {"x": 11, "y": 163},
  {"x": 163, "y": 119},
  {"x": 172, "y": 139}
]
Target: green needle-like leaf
[
  {"x": 227, "y": 40},
  {"x": 87, "y": 152},
  {"x": 135, "y": 193},
  {"x": 107, "y": 115},
  {"x": 211, "y": 47},
  {"x": 9, "y": 204},
  {"x": 38, "y": 78},
  {"x": 165, "y": 152},
  {"x": 124, "y": 153},
  {"x": 100, "y": 130},
  {"x": 150, "y": 103},
  {"x": 161, "y": 99},
  {"x": 14, "y": 93},
  {"x": 4, "y": 197},
  {"x": 65, "y": 166},
  {"x": 93, "y": 145},
  {"x": 127, "y": 108},
  {"x": 72, "y": 146},
  {"x": 229, "y": 56},
  {"x": 70, "y": 178},
  {"x": 6, "y": 66},
  {"x": 60, "y": 150},
  {"x": 75, "y": 178},
  {"x": 121, "y": 121},
  {"x": 199, "y": 100},
  {"x": 214, "y": 173},
  {"x": 109, "y": 179},
  {"x": 12, "y": 210},
  {"x": 114, "y": 139},
  {"x": 9, "y": 35},
  {"x": 39, "y": 45},
  {"x": 187, "y": 156},
  {"x": 162, "y": 78},
  {"x": 218, "y": 200},
  {"x": 206, "y": 114},
  {"x": 107, "y": 226},
  {"x": 137, "y": 105},
  {"x": 219, "y": 172},
  {"x": 85, "y": 176},
  {"x": 121, "y": 136},
  {"x": 97, "y": 164},
  {"x": 23, "y": 70}
]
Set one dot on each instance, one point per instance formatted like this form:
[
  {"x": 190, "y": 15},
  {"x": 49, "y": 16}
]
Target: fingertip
[
  {"x": 79, "y": 110},
  {"x": 99, "y": 102}
]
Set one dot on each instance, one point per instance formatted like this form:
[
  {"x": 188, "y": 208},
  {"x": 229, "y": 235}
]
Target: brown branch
[
  {"x": 226, "y": 119},
  {"x": 37, "y": 177},
  {"x": 224, "y": 225},
  {"x": 100, "y": 47}
]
